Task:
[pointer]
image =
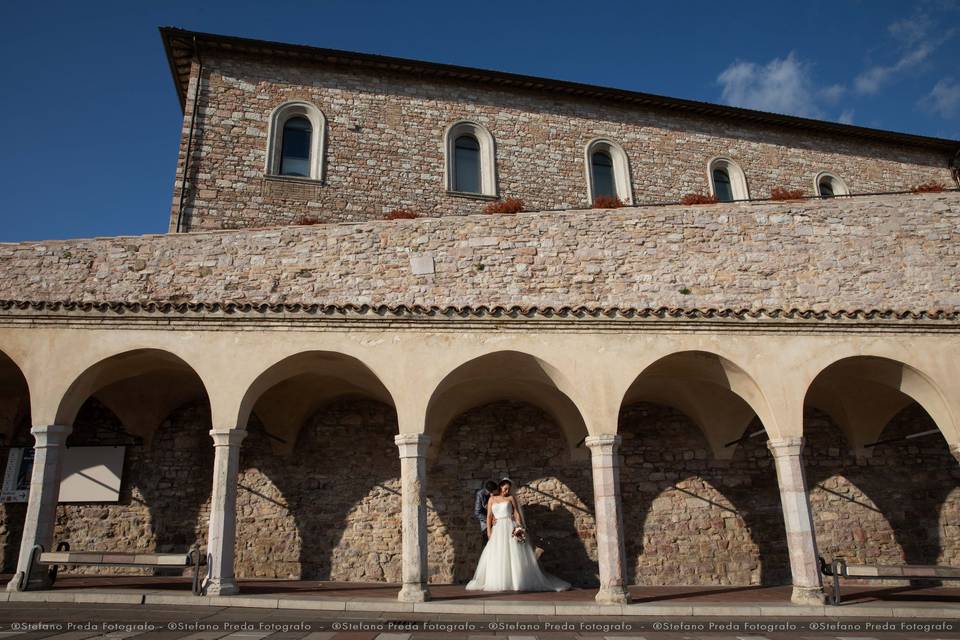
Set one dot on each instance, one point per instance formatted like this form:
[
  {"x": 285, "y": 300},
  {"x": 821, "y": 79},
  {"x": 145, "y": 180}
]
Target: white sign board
[{"x": 90, "y": 474}]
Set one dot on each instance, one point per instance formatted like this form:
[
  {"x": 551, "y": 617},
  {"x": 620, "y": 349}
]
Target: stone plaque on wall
[{"x": 90, "y": 474}]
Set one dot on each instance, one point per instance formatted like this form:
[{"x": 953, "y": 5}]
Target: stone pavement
[
  {"x": 36, "y": 620},
  {"x": 760, "y": 602}
]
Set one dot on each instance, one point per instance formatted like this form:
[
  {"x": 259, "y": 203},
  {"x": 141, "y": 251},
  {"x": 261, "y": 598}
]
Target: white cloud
[
  {"x": 833, "y": 93},
  {"x": 916, "y": 45},
  {"x": 781, "y": 86},
  {"x": 943, "y": 99},
  {"x": 871, "y": 80},
  {"x": 910, "y": 31},
  {"x": 846, "y": 116}
]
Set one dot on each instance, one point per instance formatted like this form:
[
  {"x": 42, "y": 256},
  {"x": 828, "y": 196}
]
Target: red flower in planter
[
  {"x": 510, "y": 205},
  {"x": 607, "y": 202},
  {"x": 697, "y": 198}
]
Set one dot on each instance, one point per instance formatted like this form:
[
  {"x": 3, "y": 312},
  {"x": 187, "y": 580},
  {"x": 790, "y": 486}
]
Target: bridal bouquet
[{"x": 519, "y": 534}]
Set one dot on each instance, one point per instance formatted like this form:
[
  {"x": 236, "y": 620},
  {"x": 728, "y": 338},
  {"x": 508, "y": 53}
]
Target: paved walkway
[
  {"x": 36, "y": 621},
  {"x": 879, "y": 602}
]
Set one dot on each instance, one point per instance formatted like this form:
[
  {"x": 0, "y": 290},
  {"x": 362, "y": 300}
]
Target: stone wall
[
  {"x": 872, "y": 252},
  {"x": 164, "y": 501},
  {"x": 893, "y": 504},
  {"x": 330, "y": 510},
  {"x": 691, "y": 518},
  {"x": 385, "y": 147}
]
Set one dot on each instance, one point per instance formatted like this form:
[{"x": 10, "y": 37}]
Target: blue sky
[{"x": 90, "y": 118}]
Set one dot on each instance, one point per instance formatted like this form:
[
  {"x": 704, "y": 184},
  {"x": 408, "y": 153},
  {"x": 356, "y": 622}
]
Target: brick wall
[
  {"x": 385, "y": 147},
  {"x": 866, "y": 252}
]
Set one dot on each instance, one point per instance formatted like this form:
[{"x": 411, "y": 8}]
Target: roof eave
[{"x": 173, "y": 37}]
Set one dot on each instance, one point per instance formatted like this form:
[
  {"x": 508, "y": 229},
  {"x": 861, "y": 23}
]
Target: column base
[
  {"x": 39, "y": 581},
  {"x": 14, "y": 584},
  {"x": 221, "y": 587},
  {"x": 613, "y": 595},
  {"x": 413, "y": 593},
  {"x": 811, "y": 596}
]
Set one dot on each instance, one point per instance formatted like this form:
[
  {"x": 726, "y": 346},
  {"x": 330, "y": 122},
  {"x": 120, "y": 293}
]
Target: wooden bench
[
  {"x": 63, "y": 557},
  {"x": 840, "y": 569}
]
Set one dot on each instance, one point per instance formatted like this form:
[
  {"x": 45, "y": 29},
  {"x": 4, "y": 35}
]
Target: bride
[{"x": 508, "y": 564}]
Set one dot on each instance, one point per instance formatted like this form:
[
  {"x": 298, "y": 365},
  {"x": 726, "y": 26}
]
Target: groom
[{"x": 489, "y": 488}]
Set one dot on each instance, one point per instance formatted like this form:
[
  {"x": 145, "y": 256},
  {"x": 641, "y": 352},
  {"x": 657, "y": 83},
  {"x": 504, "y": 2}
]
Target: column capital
[
  {"x": 412, "y": 445},
  {"x": 785, "y": 446},
  {"x": 606, "y": 442},
  {"x": 50, "y": 435},
  {"x": 228, "y": 437}
]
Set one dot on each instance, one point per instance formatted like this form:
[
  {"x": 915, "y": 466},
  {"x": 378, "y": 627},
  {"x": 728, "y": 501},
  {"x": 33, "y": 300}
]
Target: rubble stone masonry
[
  {"x": 384, "y": 147},
  {"x": 888, "y": 252}
]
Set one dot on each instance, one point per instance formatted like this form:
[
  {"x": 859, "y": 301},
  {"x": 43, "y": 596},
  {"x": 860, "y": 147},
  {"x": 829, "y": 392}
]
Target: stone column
[
  {"x": 798, "y": 520},
  {"x": 222, "y": 534},
  {"x": 413, "y": 476},
  {"x": 38, "y": 528},
  {"x": 609, "y": 514}
]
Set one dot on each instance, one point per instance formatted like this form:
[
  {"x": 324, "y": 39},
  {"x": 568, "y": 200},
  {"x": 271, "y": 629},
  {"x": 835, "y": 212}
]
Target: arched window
[
  {"x": 721, "y": 185},
  {"x": 829, "y": 185},
  {"x": 603, "y": 183},
  {"x": 727, "y": 182},
  {"x": 466, "y": 165},
  {"x": 608, "y": 171},
  {"x": 470, "y": 159},
  {"x": 296, "y": 141},
  {"x": 295, "y": 148}
]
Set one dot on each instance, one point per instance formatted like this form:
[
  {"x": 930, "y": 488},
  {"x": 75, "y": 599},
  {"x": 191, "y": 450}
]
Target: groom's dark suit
[{"x": 480, "y": 511}]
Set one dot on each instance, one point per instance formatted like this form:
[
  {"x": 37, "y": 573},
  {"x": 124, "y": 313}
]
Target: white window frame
[
  {"x": 621, "y": 168},
  {"x": 318, "y": 138},
  {"x": 488, "y": 157},
  {"x": 738, "y": 180},
  {"x": 839, "y": 186}
]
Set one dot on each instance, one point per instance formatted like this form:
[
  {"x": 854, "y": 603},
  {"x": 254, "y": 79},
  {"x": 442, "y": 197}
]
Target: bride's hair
[{"x": 507, "y": 481}]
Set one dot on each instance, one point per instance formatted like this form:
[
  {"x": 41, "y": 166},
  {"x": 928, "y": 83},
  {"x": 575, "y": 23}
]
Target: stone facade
[
  {"x": 384, "y": 147},
  {"x": 847, "y": 253}
]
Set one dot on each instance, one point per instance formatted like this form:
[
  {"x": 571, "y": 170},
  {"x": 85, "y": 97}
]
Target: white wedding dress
[{"x": 508, "y": 565}]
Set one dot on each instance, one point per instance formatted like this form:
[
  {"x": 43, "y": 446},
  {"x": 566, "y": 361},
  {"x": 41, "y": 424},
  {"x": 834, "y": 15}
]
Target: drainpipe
[{"x": 193, "y": 120}]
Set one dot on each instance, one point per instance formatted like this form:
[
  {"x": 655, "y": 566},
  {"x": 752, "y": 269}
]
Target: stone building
[{"x": 686, "y": 394}]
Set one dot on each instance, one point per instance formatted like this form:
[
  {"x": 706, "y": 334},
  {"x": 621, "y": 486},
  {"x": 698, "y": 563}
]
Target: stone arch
[
  {"x": 291, "y": 390},
  {"x": 14, "y": 401},
  {"x": 683, "y": 423},
  {"x": 166, "y": 480},
  {"x": 505, "y": 375},
  {"x": 861, "y": 393},
  {"x": 14, "y": 432},
  {"x": 140, "y": 386},
  {"x": 509, "y": 412},
  {"x": 718, "y": 395},
  {"x": 333, "y": 411},
  {"x": 894, "y": 496}
]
